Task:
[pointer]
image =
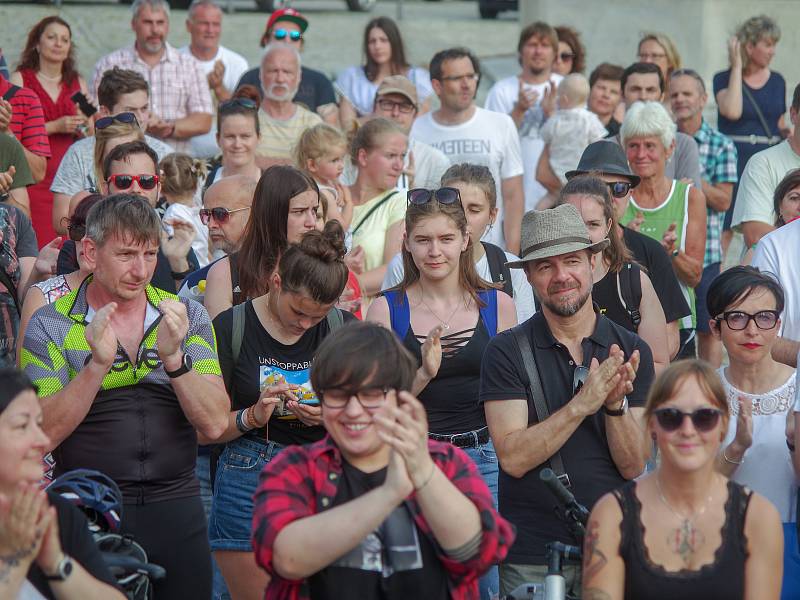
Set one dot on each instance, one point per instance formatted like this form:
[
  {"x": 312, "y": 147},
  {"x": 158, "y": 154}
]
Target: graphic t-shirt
[
  {"x": 265, "y": 361},
  {"x": 396, "y": 561}
]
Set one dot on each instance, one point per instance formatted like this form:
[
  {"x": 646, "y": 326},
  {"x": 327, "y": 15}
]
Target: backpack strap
[
  {"x": 498, "y": 269},
  {"x": 399, "y": 312},
  {"x": 372, "y": 210},
  {"x": 237, "y": 332},
  {"x": 629, "y": 289},
  {"x": 236, "y": 290},
  {"x": 489, "y": 310},
  {"x": 335, "y": 320},
  {"x": 11, "y": 92}
]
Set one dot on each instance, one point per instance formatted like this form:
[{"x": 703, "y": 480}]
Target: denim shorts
[{"x": 238, "y": 471}]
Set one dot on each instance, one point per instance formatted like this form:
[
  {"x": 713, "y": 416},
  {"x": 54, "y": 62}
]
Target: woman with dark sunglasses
[
  {"x": 745, "y": 305},
  {"x": 445, "y": 315},
  {"x": 684, "y": 531}
]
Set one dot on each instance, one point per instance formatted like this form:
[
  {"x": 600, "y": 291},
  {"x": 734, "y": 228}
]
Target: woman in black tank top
[
  {"x": 684, "y": 531},
  {"x": 622, "y": 291}
]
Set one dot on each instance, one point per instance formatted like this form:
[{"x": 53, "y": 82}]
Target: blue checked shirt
[{"x": 718, "y": 165}]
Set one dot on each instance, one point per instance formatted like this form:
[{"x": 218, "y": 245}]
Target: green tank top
[{"x": 675, "y": 209}]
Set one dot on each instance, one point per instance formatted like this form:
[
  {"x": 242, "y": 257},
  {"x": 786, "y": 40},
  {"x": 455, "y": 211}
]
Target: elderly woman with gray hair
[{"x": 670, "y": 211}]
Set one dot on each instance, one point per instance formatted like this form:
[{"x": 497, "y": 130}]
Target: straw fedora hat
[{"x": 552, "y": 232}]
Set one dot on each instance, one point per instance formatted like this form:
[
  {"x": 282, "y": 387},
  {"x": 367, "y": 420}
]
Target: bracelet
[
  {"x": 240, "y": 422},
  {"x": 251, "y": 417},
  {"x": 728, "y": 460},
  {"x": 428, "y": 480}
]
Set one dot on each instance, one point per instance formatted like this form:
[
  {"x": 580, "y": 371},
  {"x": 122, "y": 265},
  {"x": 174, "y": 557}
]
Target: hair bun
[{"x": 326, "y": 245}]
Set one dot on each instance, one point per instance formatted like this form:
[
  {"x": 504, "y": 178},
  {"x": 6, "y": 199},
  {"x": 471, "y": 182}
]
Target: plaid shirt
[
  {"x": 177, "y": 85},
  {"x": 718, "y": 164},
  {"x": 302, "y": 481}
]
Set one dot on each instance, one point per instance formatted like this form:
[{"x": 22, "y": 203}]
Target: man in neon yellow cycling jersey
[{"x": 128, "y": 377}]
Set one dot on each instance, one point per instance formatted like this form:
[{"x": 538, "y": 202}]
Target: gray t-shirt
[{"x": 76, "y": 170}]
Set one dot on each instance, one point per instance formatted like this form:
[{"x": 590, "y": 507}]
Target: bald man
[{"x": 226, "y": 208}]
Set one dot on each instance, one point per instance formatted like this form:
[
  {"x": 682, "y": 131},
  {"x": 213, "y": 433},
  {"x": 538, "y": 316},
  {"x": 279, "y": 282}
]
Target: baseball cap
[
  {"x": 397, "y": 84},
  {"x": 288, "y": 14}
]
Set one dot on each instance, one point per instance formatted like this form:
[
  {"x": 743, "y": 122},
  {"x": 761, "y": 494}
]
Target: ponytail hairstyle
[
  {"x": 231, "y": 107},
  {"x": 368, "y": 136},
  {"x": 181, "y": 174},
  {"x": 102, "y": 137},
  {"x": 616, "y": 254},
  {"x": 468, "y": 277},
  {"x": 471, "y": 174},
  {"x": 317, "y": 142},
  {"x": 314, "y": 266}
]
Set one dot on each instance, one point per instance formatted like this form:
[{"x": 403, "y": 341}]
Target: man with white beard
[{"x": 282, "y": 121}]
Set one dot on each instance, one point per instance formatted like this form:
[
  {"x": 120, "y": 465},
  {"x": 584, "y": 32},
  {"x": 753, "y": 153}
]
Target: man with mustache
[
  {"x": 281, "y": 120},
  {"x": 590, "y": 370},
  {"x": 180, "y": 101}
]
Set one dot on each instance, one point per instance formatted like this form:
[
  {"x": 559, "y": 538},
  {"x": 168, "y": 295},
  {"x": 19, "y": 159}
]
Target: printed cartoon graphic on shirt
[
  {"x": 391, "y": 548},
  {"x": 297, "y": 375}
]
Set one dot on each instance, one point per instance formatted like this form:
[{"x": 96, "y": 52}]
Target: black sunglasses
[
  {"x": 444, "y": 195},
  {"x": 703, "y": 419},
  {"x": 124, "y": 181},
  {"x": 738, "y": 320},
  {"x": 619, "y": 189},
  {"x": 579, "y": 376},
  {"x": 565, "y": 56},
  {"x": 243, "y": 102},
  {"x": 218, "y": 213},
  {"x": 126, "y": 117}
]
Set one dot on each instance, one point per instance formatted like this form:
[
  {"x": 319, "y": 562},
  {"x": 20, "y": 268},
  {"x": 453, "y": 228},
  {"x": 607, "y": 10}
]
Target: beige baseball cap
[{"x": 397, "y": 84}]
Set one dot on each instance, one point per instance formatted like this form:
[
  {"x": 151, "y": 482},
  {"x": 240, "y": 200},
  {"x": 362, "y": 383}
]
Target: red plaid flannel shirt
[{"x": 302, "y": 481}]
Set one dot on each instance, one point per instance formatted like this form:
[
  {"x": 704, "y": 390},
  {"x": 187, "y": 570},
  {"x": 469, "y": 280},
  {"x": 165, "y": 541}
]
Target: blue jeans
[
  {"x": 203, "y": 472},
  {"x": 791, "y": 563},
  {"x": 485, "y": 458}
]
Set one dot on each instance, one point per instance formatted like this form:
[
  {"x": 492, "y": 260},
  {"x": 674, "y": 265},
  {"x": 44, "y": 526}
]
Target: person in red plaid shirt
[{"x": 375, "y": 509}]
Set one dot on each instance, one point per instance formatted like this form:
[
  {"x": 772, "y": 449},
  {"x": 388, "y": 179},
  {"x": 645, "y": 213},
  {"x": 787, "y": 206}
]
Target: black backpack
[
  {"x": 497, "y": 267},
  {"x": 629, "y": 288}
]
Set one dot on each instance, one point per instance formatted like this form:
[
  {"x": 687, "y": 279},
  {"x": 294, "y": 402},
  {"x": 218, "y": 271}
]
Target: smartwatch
[
  {"x": 186, "y": 366},
  {"x": 623, "y": 408},
  {"x": 63, "y": 570}
]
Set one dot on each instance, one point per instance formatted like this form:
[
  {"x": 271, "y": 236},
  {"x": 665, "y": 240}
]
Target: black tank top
[
  {"x": 606, "y": 296},
  {"x": 722, "y": 579},
  {"x": 451, "y": 398}
]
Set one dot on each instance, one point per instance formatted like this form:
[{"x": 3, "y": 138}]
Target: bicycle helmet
[{"x": 96, "y": 494}]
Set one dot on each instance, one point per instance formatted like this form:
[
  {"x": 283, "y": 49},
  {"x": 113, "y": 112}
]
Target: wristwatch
[
  {"x": 623, "y": 408},
  {"x": 186, "y": 366},
  {"x": 63, "y": 570}
]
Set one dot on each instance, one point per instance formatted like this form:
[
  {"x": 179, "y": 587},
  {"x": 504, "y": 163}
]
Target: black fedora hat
[{"x": 604, "y": 157}]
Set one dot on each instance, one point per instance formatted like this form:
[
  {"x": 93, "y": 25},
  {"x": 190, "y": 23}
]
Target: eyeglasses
[
  {"x": 703, "y": 419},
  {"x": 219, "y": 214},
  {"x": 460, "y": 78},
  {"x": 619, "y": 189},
  {"x": 126, "y": 117},
  {"x": 124, "y": 181},
  {"x": 243, "y": 102},
  {"x": 444, "y": 195},
  {"x": 282, "y": 34},
  {"x": 738, "y": 320},
  {"x": 645, "y": 56},
  {"x": 389, "y": 105},
  {"x": 565, "y": 56},
  {"x": 371, "y": 397},
  {"x": 579, "y": 376}
]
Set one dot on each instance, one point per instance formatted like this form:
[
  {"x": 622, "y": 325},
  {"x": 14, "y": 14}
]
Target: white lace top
[{"x": 767, "y": 467}]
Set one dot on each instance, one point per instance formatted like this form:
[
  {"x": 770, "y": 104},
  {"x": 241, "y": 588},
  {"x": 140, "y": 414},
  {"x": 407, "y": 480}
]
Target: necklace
[
  {"x": 445, "y": 323},
  {"x": 685, "y": 539},
  {"x": 43, "y": 76}
]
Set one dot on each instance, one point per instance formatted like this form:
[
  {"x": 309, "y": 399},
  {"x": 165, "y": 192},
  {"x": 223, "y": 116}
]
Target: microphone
[{"x": 574, "y": 509}]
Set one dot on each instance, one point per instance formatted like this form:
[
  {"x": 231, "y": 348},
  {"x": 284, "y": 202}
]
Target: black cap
[{"x": 607, "y": 157}]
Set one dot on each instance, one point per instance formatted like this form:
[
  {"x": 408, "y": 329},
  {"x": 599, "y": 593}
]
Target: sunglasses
[
  {"x": 282, "y": 34},
  {"x": 738, "y": 320},
  {"x": 124, "y": 181},
  {"x": 565, "y": 56},
  {"x": 219, "y": 214},
  {"x": 243, "y": 102},
  {"x": 619, "y": 189},
  {"x": 579, "y": 376},
  {"x": 703, "y": 419},
  {"x": 444, "y": 195},
  {"x": 126, "y": 117}
]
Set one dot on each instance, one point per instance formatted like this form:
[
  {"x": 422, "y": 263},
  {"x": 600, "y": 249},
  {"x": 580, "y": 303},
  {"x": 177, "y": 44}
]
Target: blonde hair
[
  {"x": 317, "y": 142},
  {"x": 181, "y": 174},
  {"x": 575, "y": 87},
  {"x": 754, "y": 30},
  {"x": 117, "y": 129},
  {"x": 663, "y": 40},
  {"x": 369, "y": 135}
]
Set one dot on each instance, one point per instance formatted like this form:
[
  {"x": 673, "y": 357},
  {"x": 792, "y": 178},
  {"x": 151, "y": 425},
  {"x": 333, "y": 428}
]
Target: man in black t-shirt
[
  {"x": 315, "y": 92},
  {"x": 607, "y": 161},
  {"x": 591, "y": 371}
]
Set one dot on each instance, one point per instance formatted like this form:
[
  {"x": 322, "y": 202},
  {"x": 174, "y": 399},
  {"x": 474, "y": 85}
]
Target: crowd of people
[{"x": 327, "y": 335}]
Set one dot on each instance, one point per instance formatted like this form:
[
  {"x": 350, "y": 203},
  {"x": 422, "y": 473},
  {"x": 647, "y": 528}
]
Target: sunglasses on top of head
[
  {"x": 703, "y": 419},
  {"x": 444, "y": 195},
  {"x": 243, "y": 102},
  {"x": 124, "y": 181},
  {"x": 126, "y": 117},
  {"x": 282, "y": 34}
]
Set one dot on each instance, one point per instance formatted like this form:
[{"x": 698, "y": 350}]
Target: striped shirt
[
  {"x": 279, "y": 137},
  {"x": 27, "y": 119},
  {"x": 178, "y": 88}
]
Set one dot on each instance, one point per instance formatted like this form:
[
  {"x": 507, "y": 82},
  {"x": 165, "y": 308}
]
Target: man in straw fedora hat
[{"x": 579, "y": 413}]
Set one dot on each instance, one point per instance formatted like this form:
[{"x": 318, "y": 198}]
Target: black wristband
[{"x": 181, "y": 275}]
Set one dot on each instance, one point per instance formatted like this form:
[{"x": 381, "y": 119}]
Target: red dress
[{"x": 40, "y": 195}]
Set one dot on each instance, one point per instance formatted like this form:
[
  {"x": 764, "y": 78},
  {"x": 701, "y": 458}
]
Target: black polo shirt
[{"x": 526, "y": 502}]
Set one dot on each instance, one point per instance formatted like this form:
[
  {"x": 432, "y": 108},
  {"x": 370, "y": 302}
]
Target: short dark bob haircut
[
  {"x": 734, "y": 285},
  {"x": 14, "y": 383},
  {"x": 362, "y": 354}
]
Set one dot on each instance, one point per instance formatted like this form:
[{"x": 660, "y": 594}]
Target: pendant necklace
[
  {"x": 686, "y": 539},
  {"x": 445, "y": 324}
]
